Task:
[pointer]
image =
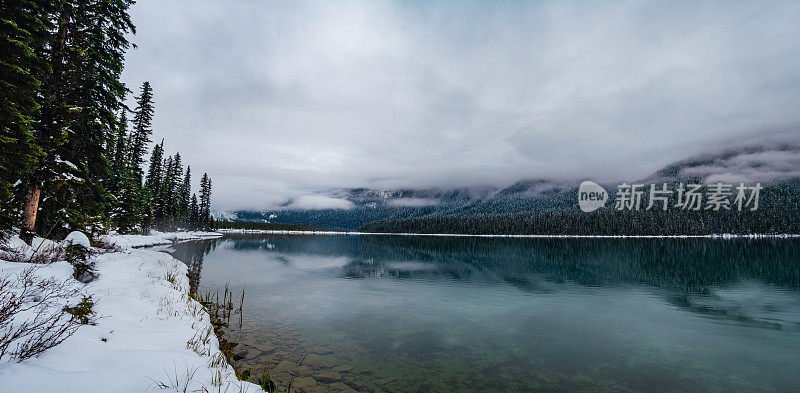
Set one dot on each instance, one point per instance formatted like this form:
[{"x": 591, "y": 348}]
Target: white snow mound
[{"x": 78, "y": 238}]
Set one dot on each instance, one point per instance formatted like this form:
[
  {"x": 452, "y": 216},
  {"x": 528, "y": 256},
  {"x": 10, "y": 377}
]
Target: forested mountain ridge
[{"x": 525, "y": 206}]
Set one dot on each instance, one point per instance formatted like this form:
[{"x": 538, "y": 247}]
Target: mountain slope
[{"x": 776, "y": 166}]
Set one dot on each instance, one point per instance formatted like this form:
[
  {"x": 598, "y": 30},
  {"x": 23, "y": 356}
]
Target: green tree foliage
[
  {"x": 71, "y": 158},
  {"x": 23, "y": 28},
  {"x": 204, "y": 213},
  {"x": 142, "y": 125},
  {"x": 776, "y": 215}
]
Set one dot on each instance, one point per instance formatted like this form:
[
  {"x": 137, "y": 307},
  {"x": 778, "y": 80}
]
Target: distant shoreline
[{"x": 357, "y": 233}]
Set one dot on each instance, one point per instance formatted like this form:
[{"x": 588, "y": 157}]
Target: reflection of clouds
[
  {"x": 749, "y": 304},
  {"x": 313, "y": 262}
]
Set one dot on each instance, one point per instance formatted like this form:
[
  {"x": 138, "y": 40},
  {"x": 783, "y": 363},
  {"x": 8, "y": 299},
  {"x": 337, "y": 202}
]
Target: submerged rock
[
  {"x": 343, "y": 368},
  {"x": 305, "y": 384},
  {"x": 328, "y": 376},
  {"x": 285, "y": 366},
  {"x": 246, "y": 352},
  {"x": 319, "y": 361}
]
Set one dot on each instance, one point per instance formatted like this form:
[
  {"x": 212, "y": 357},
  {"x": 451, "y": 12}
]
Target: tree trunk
[
  {"x": 49, "y": 128},
  {"x": 29, "y": 214}
]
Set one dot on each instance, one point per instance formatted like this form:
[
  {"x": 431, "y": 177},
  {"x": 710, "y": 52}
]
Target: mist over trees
[
  {"x": 558, "y": 214},
  {"x": 71, "y": 158}
]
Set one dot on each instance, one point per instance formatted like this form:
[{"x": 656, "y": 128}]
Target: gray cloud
[
  {"x": 277, "y": 100},
  {"x": 317, "y": 202}
]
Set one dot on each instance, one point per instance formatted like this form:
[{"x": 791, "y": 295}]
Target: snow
[
  {"x": 357, "y": 233},
  {"x": 78, "y": 238},
  {"x": 225, "y": 215},
  {"x": 154, "y": 238},
  {"x": 148, "y": 330},
  {"x": 38, "y": 245}
]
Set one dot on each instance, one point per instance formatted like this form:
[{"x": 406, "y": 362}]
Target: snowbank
[
  {"x": 154, "y": 238},
  {"x": 357, "y": 233},
  {"x": 78, "y": 238},
  {"x": 149, "y": 334}
]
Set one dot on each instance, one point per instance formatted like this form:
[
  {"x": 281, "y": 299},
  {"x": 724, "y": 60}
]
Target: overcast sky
[{"x": 277, "y": 100}]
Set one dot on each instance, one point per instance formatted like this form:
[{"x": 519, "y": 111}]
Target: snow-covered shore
[
  {"x": 149, "y": 333},
  {"x": 155, "y": 238},
  {"x": 352, "y": 233}
]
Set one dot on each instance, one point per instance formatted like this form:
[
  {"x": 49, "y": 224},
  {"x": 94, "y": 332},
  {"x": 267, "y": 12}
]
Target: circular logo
[{"x": 591, "y": 196}]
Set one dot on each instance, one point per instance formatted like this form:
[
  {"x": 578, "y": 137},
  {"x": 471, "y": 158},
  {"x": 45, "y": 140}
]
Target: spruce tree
[
  {"x": 176, "y": 178},
  {"x": 185, "y": 191},
  {"x": 23, "y": 28},
  {"x": 142, "y": 125},
  {"x": 194, "y": 213},
  {"x": 119, "y": 162},
  {"x": 155, "y": 171},
  {"x": 163, "y": 194},
  {"x": 205, "y": 201},
  {"x": 84, "y": 50}
]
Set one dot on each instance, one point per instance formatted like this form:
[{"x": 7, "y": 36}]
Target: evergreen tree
[
  {"x": 176, "y": 180},
  {"x": 163, "y": 194},
  {"x": 183, "y": 196},
  {"x": 205, "y": 201},
  {"x": 68, "y": 160},
  {"x": 194, "y": 213},
  {"x": 79, "y": 98},
  {"x": 23, "y": 28},
  {"x": 154, "y": 172},
  {"x": 119, "y": 163},
  {"x": 142, "y": 125}
]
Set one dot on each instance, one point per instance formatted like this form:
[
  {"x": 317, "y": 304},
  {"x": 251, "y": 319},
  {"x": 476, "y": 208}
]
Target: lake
[{"x": 466, "y": 314}]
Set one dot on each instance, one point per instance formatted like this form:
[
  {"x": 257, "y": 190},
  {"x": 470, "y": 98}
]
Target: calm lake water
[{"x": 460, "y": 314}]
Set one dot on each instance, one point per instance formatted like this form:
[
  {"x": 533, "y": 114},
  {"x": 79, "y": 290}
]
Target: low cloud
[
  {"x": 413, "y": 202},
  {"x": 316, "y": 202},
  {"x": 277, "y": 100}
]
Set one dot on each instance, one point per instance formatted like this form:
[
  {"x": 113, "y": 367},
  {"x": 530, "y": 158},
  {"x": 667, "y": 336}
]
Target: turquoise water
[{"x": 459, "y": 314}]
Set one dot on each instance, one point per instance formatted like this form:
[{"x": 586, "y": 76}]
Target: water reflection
[
  {"x": 390, "y": 313},
  {"x": 192, "y": 254}
]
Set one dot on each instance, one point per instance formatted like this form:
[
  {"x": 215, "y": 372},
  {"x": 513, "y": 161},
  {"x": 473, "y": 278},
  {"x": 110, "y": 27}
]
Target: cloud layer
[{"x": 279, "y": 99}]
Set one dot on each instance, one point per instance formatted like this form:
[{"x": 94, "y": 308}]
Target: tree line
[
  {"x": 71, "y": 159},
  {"x": 777, "y": 214}
]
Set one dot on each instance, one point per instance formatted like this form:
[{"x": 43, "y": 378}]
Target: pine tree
[
  {"x": 119, "y": 161},
  {"x": 156, "y": 169},
  {"x": 185, "y": 191},
  {"x": 23, "y": 27},
  {"x": 162, "y": 196},
  {"x": 79, "y": 99},
  {"x": 176, "y": 178},
  {"x": 142, "y": 125},
  {"x": 194, "y": 213},
  {"x": 205, "y": 201},
  {"x": 67, "y": 150}
]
